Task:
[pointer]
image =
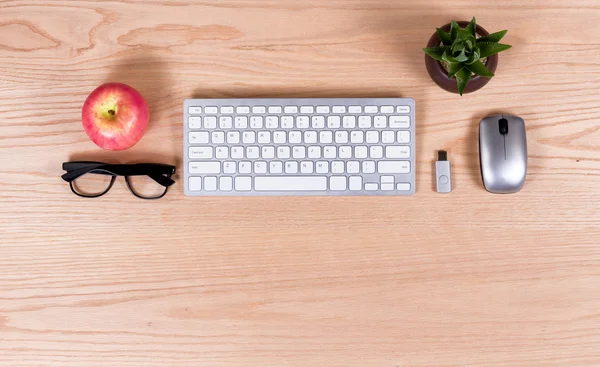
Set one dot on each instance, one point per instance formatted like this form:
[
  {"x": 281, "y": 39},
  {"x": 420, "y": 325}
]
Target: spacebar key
[{"x": 290, "y": 183}]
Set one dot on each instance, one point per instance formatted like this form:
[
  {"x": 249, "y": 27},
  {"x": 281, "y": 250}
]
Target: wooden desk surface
[{"x": 465, "y": 279}]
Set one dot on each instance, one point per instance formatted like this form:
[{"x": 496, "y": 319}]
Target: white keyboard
[{"x": 249, "y": 147}]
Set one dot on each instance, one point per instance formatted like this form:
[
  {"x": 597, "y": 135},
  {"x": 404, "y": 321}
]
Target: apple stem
[{"x": 111, "y": 112}]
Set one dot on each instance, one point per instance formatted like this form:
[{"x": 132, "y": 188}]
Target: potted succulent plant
[{"x": 461, "y": 57}]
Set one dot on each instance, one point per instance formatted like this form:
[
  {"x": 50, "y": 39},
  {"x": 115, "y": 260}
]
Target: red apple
[{"x": 115, "y": 116}]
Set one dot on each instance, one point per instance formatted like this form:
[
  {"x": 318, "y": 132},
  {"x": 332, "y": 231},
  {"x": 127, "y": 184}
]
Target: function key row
[{"x": 227, "y": 110}]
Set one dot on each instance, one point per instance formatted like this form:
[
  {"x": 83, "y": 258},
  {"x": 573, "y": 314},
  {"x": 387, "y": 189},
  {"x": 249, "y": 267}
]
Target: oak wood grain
[{"x": 465, "y": 279}]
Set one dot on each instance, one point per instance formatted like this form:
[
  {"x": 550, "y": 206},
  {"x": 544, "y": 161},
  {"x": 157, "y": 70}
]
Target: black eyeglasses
[{"x": 94, "y": 179}]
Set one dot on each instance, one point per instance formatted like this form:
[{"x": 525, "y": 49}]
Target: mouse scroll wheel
[{"x": 503, "y": 126}]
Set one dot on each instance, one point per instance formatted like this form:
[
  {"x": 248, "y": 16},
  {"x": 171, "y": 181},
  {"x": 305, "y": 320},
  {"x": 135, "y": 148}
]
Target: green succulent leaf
[
  {"x": 436, "y": 52},
  {"x": 491, "y": 48},
  {"x": 444, "y": 36},
  {"x": 474, "y": 56},
  {"x": 447, "y": 56},
  {"x": 494, "y": 37},
  {"x": 454, "y": 28},
  {"x": 453, "y": 68},
  {"x": 479, "y": 69},
  {"x": 460, "y": 56},
  {"x": 471, "y": 27},
  {"x": 462, "y": 79}
]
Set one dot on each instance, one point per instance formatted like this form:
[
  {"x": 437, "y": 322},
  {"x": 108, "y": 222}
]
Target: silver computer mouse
[{"x": 503, "y": 153}]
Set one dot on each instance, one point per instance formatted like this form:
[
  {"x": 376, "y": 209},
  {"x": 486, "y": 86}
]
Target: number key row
[
  {"x": 299, "y": 122},
  {"x": 299, "y": 137}
]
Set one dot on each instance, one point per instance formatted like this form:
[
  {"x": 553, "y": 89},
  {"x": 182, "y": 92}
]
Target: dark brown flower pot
[{"x": 440, "y": 76}]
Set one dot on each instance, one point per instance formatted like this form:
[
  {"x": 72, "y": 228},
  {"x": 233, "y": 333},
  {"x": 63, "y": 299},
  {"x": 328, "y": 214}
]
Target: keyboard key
[
  {"x": 314, "y": 152},
  {"x": 260, "y": 167},
  {"x": 245, "y": 167},
  {"x": 212, "y": 110},
  {"x": 337, "y": 167},
  {"x": 252, "y": 152},
  {"x": 268, "y": 152},
  {"x": 399, "y": 122},
  {"x": 222, "y": 153},
  {"x": 403, "y": 109},
  {"x": 322, "y": 109},
  {"x": 237, "y": 152},
  {"x": 279, "y": 137},
  {"x": 307, "y": 109},
  {"x": 241, "y": 122},
  {"x": 364, "y": 122},
  {"x": 283, "y": 152},
  {"x": 337, "y": 183},
  {"x": 341, "y": 137},
  {"x": 274, "y": 109},
  {"x": 195, "y": 110},
  {"x": 355, "y": 109},
  {"x": 393, "y": 166},
  {"x": 290, "y": 109},
  {"x": 325, "y": 137},
  {"x": 210, "y": 183},
  {"x": 225, "y": 183},
  {"x": 229, "y": 167},
  {"x": 380, "y": 122},
  {"x": 225, "y": 122},
  {"x": 233, "y": 137},
  {"x": 386, "y": 179},
  {"x": 376, "y": 152},
  {"x": 330, "y": 152},
  {"x": 217, "y": 137},
  {"x": 302, "y": 122},
  {"x": 349, "y": 122},
  {"x": 333, "y": 122},
  {"x": 310, "y": 137},
  {"x": 368, "y": 167},
  {"x": 318, "y": 122},
  {"x": 210, "y": 122},
  {"x": 360, "y": 152},
  {"x": 345, "y": 152},
  {"x": 387, "y": 137},
  {"x": 299, "y": 152},
  {"x": 287, "y": 122},
  {"x": 352, "y": 167},
  {"x": 264, "y": 137},
  {"x": 398, "y": 151},
  {"x": 248, "y": 137},
  {"x": 243, "y": 183},
  {"x": 195, "y": 122},
  {"x": 200, "y": 152},
  {"x": 355, "y": 183},
  {"x": 387, "y": 187},
  {"x": 338, "y": 109},
  {"x": 272, "y": 122},
  {"x": 306, "y": 167},
  {"x": 300, "y": 183},
  {"x": 226, "y": 109},
  {"x": 256, "y": 122},
  {"x": 403, "y": 137},
  {"x": 242, "y": 109},
  {"x": 195, "y": 183},
  {"x": 259, "y": 109},
  {"x": 291, "y": 167},
  {"x": 322, "y": 167},
  {"x": 357, "y": 137},
  {"x": 371, "y": 187},
  {"x": 372, "y": 137},
  {"x": 295, "y": 137},
  {"x": 276, "y": 167},
  {"x": 198, "y": 138},
  {"x": 403, "y": 187},
  {"x": 205, "y": 167},
  {"x": 371, "y": 109},
  {"x": 387, "y": 109}
]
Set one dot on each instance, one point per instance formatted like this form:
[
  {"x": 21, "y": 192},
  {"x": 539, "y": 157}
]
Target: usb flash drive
[{"x": 442, "y": 173}]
